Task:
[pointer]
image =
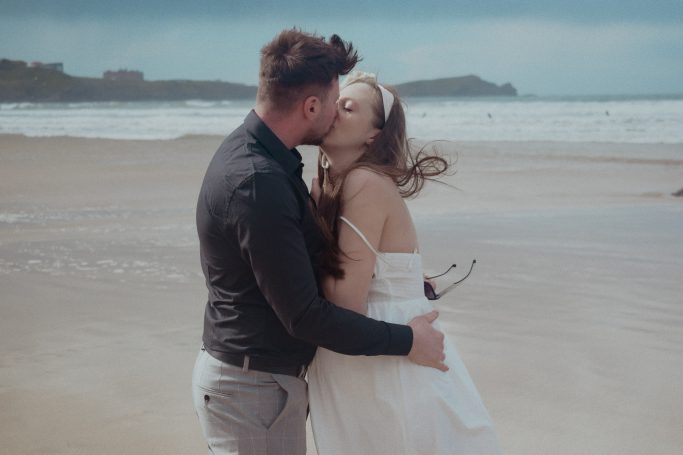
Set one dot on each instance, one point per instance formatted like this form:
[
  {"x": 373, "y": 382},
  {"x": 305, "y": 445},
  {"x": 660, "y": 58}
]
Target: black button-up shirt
[{"x": 258, "y": 245}]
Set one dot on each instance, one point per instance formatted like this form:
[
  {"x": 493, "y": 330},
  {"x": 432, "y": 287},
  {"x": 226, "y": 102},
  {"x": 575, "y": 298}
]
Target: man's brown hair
[{"x": 296, "y": 64}]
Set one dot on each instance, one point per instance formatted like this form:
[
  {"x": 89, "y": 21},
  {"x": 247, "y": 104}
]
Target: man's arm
[{"x": 268, "y": 229}]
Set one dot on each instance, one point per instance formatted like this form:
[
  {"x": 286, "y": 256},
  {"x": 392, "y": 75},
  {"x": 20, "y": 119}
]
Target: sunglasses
[{"x": 431, "y": 294}]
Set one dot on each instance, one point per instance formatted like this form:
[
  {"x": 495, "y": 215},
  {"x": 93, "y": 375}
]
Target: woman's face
[{"x": 353, "y": 128}]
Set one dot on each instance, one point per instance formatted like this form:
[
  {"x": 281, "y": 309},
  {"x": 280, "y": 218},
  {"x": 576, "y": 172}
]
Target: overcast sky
[{"x": 541, "y": 47}]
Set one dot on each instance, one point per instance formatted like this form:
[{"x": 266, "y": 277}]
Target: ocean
[{"x": 625, "y": 119}]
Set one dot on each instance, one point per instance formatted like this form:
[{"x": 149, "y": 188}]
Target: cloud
[
  {"x": 669, "y": 11},
  {"x": 550, "y": 56},
  {"x": 537, "y": 55}
]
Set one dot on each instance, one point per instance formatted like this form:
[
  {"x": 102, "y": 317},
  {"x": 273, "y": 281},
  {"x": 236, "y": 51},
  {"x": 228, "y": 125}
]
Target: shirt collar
[{"x": 289, "y": 159}]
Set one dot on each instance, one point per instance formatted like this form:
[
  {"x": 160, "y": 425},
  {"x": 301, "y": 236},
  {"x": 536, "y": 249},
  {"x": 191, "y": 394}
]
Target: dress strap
[{"x": 360, "y": 234}]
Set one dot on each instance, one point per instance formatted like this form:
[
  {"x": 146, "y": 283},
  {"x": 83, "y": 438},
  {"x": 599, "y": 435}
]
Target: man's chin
[{"x": 317, "y": 140}]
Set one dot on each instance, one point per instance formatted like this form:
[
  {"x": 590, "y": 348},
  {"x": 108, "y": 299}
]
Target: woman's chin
[{"x": 326, "y": 142}]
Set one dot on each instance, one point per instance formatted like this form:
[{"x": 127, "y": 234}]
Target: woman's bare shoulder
[{"x": 369, "y": 183}]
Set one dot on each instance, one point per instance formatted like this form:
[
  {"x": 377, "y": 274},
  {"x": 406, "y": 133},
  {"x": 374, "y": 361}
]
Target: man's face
[
  {"x": 328, "y": 114},
  {"x": 330, "y": 106}
]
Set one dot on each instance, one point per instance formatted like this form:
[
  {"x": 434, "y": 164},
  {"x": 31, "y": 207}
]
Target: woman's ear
[{"x": 373, "y": 134}]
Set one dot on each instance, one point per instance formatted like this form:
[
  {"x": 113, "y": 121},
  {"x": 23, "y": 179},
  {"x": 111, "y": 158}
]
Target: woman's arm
[{"x": 366, "y": 199}]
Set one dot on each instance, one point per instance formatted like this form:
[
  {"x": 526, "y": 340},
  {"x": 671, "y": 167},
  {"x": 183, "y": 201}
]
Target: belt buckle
[{"x": 245, "y": 363}]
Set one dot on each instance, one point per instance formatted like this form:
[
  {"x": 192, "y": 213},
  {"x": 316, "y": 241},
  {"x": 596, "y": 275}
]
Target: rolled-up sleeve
[{"x": 265, "y": 213}]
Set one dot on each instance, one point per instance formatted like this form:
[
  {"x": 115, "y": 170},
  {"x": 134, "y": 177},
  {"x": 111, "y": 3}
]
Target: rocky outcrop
[{"x": 456, "y": 86}]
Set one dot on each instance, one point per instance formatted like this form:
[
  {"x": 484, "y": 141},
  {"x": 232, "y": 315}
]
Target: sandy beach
[{"x": 571, "y": 324}]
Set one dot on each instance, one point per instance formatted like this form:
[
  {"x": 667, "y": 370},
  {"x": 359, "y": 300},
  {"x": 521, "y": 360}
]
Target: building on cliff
[
  {"x": 49, "y": 66},
  {"x": 123, "y": 75}
]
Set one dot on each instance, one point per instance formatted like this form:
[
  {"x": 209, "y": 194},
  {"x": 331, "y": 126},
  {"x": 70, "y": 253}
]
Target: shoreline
[{"x": 420, "y": 140}]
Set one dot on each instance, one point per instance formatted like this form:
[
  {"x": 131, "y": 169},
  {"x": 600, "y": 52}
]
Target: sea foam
[{"x": 585, "y": 119}]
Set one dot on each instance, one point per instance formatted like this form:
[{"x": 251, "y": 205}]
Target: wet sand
[{"x": 571, "y": 324}]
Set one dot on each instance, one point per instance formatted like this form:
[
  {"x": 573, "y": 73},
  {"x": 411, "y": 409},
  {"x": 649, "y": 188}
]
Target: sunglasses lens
[{"x": 429, "y": 291}]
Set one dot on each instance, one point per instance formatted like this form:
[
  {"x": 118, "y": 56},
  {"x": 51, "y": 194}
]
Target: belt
[{"x": 256, "y": 363}]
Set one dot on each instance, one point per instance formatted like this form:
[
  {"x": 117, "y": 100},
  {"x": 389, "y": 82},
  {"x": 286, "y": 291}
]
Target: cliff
[
  {"x": 455, "y": 86},
  {"x": 18, "y": 82}
]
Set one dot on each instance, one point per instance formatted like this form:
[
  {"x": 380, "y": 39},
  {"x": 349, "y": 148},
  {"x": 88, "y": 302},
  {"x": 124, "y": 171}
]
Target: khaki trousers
[{"x": 249, "y": 412}]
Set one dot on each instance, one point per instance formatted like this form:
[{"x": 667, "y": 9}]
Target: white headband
[{"x": 387, "y": 101}]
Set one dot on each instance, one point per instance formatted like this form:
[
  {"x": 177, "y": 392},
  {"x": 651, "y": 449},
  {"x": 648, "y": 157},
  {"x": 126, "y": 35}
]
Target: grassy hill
[{"x": 18, "y": 82}]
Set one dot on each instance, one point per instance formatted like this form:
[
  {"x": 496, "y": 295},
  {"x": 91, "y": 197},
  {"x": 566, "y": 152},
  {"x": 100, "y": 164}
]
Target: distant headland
[
  {"x": 37, "y": 82},
  {"x": 456, "y": 86},
  {"x": 40, "y": 82}
]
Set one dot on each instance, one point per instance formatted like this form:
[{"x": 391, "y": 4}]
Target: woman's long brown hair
[{"x": 389, "y": 154}]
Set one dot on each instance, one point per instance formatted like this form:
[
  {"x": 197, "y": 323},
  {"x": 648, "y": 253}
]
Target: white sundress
[{"x": 387, "y": 404}]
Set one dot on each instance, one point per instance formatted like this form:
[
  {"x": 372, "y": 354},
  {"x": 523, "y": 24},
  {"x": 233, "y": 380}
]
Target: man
[{"x": 259, "y": 241}]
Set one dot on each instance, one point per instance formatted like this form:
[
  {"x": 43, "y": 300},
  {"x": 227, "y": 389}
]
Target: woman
[{"x": 382, "y": 405}]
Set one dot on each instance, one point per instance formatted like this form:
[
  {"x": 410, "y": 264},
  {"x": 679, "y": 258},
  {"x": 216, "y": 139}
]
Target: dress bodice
[
  {"x": 398, "y": 276},
  {"x": 397, "y": 282}
]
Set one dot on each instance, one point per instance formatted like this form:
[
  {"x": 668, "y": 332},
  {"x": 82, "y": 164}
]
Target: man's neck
[{"x": 284, "y": 126}]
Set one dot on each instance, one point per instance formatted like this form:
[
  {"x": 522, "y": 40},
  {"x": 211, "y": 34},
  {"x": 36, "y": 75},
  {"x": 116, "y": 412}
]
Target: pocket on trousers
[{"x": 296, "y": 400}]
